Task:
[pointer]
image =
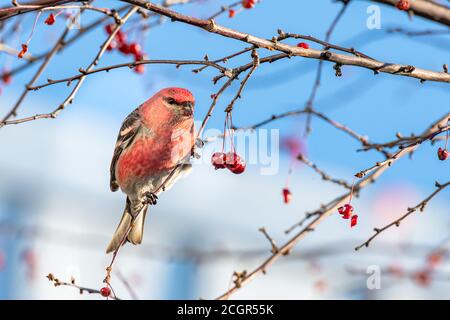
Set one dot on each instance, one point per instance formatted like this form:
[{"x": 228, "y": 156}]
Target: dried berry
[
  {"x": 24, "y": 50},
  {"x": 354, "y": 220},
  {"x": 287, "y": 195},
  {"x": 50, "y": 19}
]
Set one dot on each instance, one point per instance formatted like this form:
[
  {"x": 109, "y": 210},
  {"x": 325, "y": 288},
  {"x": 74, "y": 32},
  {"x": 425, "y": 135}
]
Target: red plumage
[{"x": 153, "y": 140}]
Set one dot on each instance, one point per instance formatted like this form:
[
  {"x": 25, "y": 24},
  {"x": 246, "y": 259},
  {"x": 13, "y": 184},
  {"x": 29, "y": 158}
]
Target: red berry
[
  {"x": 443, "y": 154},
  {"x": 238, "y": 168},
  {"x": 435, "y": 259},
  {"x": 218, "y": 160},
  {"x": 248, "y": 4},
  {"x": 124, "y": 48},
  {"x": 231, "y": 13},
  {"x": 320, "y": 286},
  {"x": 110, "y": 28},
  {"x": 346, "y": 211},
  {"x": 135, "y": 49},
  {"x": 403, "y": 5},
  {"x": 24, "y": 50},
  {"x": 139, "y": 69},
  {"x": 354, "y": 220},
  {"x": 234, "y": 163},
  {"x": 423, "y": 278},
  {"x": 7, "y": 78},
  {"x": 287, "y": 195},
  {"x": 105, "y": 291},
  {"x": 50, "y": 19},
  {"x": 303, "y": 45}
]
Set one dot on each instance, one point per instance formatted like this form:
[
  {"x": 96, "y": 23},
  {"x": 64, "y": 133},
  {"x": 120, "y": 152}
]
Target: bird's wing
[{"x": 128, "y": 132}]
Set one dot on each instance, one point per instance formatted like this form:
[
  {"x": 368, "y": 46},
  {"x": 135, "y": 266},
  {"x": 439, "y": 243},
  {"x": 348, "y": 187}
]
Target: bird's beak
[{"x": 188, "y": 109}]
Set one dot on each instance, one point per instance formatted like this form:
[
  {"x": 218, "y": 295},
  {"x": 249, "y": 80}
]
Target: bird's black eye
[{"x": 171, "y": 101}]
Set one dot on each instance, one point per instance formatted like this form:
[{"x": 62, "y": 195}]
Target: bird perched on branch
[{"x": 152, "y": 151}]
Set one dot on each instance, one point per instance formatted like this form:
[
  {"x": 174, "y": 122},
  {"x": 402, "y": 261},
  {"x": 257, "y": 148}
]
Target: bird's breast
[{"x": 151, "y": 155}]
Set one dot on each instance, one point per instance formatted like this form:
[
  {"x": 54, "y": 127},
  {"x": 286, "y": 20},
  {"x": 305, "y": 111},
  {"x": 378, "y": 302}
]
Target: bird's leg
[{"x": 150, "y": 198}]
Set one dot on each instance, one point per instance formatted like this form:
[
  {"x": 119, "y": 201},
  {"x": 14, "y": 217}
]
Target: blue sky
[{"x": 377, "y": 106}]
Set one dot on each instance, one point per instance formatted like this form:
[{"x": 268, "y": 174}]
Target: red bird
[{"x": 153, "y": 140}]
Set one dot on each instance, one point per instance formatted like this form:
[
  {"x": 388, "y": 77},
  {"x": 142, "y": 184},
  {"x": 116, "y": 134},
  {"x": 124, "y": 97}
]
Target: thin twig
[{"x": 421, "y": 206}]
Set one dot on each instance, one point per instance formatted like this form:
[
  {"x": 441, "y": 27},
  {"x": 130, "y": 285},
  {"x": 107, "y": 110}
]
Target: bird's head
[
  {"x": 169, "y": 107},
  {"x": 178, "y": 100}
]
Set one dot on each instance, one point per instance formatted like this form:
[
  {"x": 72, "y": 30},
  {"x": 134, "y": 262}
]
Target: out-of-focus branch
[
  {"x": 427, "y": 9},
  {"x": 428, "y": 32},
  {"x": 80, "y": 33},
  {"x": 56, "y": 48}
]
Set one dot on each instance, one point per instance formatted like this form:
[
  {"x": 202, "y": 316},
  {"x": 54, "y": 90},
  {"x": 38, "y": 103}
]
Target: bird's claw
[
  {"x": 151, "y": 198},
  {"x": 195, "y": 155},
  {"x": 199, "y": 143}
]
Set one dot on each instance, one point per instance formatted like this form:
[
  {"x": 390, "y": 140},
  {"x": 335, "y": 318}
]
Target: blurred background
[{"x": 57, "y": 213}]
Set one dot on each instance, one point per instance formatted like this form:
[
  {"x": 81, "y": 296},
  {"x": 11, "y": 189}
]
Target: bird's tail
[{"x": 137, "y": 229}]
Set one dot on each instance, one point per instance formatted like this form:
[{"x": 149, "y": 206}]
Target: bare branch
[
  {"x": 324, "y": 176},
  {"x": 421, "y": 206},
  {"x": 341, "y": 59}
]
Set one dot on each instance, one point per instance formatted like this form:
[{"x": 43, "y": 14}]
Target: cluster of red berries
[
  {"x": 105, "y": 292},
  {"x": 231, "y": 160},
  {"x": 403, "y": 5},
  {"x": 120, "y": 43},
  {"x": 346, "y": 212},
  {"x": 303, "y": 45}
]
